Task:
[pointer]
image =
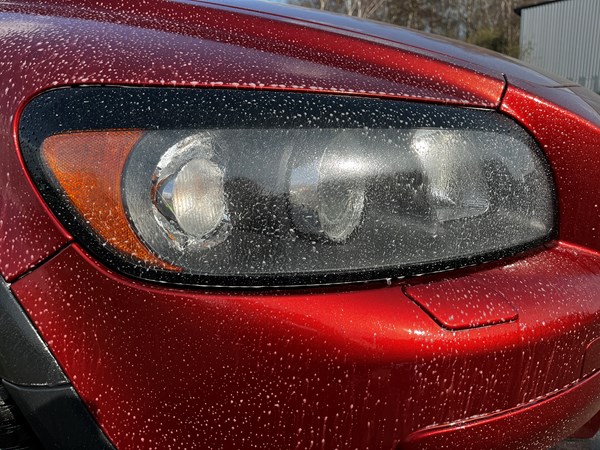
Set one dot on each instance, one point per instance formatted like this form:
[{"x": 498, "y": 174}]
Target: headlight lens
[
  {"x": 188, "y": 193},
  {"x": 251, "y": 188},
  {"x": 327, "y": 186}
]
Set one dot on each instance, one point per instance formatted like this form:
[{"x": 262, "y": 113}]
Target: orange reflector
[{"x": 88, "y": 165}]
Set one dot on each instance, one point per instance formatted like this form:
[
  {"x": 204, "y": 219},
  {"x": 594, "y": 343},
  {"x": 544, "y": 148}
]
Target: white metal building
[{"x": 563, "y": 36}]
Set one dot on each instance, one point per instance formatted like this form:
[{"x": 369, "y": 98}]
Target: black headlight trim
[{"x": 66, "y": 110}]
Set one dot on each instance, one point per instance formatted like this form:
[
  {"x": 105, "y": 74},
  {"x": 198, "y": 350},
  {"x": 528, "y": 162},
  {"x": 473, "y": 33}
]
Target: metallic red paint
[
  {"x": 336, "y": 367},
  {"x": 463, "y": 303},
  {"x": 29, "y": 233},
  {"x": 533, "y": 427},
  {"x": 589, "y": 430},
  {"x": 343, "y": 367}
]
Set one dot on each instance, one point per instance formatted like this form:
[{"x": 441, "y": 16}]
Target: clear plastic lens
[
  {"x": 188, "y": 194},
  {"x": 327, "y": 193},
  {"x": 193, "y": 197},
  {"x": 452, "y": 163},
  {"x": 185, "y": 194},
  {"x": 264, "y": 201}
]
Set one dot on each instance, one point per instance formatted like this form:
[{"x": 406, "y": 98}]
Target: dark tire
[{"x": 15, "y": 433}]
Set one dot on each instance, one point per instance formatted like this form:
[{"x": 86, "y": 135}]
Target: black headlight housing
[{"x": 248, "y": 188}]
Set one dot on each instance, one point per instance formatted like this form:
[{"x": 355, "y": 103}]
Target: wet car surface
[
  {"x": 572, "y": 444},
  {"x": 243, "y": 225}
]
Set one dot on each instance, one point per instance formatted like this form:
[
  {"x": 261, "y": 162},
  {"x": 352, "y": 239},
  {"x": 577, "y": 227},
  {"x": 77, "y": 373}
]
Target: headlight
[{"x": 245, "y": 188}]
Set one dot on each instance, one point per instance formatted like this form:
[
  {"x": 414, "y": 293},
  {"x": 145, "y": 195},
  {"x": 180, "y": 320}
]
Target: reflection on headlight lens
[
  {"x": 327, "y": 192},
  {"x": 452, "y": 165}
]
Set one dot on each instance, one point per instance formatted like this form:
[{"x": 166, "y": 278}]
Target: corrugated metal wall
[{"x": 564, "y": 38}]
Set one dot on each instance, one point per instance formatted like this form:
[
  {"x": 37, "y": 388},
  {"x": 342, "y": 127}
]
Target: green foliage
[
  {"x": 488, "y": 23},
  {"x": 494, "y": 39}
]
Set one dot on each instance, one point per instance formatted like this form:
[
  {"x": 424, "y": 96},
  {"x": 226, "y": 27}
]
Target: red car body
[{"x": 500, "y": 355}]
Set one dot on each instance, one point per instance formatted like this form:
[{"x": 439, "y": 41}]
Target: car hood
[
  {"x": 244, "y": 45},
  {"x": 457, "y": 52}
]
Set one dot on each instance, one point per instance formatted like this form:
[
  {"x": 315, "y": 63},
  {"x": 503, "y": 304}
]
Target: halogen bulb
[
  {"x": 194, "y": 197},
  {"x": 188, "y": 193}
]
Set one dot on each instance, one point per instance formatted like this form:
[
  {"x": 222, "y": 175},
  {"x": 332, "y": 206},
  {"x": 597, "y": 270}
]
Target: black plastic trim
[
  {"x": 58, "y": 417},
  {"x": 64, "y": 110},
  {"x": 15, "y": 432},
  {"x": 24, "y": 357}
]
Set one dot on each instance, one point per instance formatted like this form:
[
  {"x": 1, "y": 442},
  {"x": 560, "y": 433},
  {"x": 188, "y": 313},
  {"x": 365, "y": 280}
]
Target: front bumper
[
  {"x": 339, "y": 367},
  {"x": 532, "y": 426}
]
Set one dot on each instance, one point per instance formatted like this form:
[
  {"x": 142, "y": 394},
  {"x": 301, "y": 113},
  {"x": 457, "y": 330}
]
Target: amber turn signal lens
[{"x": 88, "y": 166}]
